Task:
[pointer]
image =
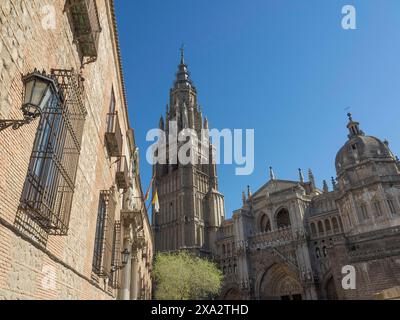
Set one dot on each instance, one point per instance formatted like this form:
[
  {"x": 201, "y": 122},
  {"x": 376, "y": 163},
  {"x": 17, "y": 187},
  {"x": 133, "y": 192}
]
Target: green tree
[{"x": 184, "y": 276}]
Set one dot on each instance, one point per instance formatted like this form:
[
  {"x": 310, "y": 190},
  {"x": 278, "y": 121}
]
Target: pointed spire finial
[
  {"x": 244, "y": 197},
  {"x": 249, "y": 192},
  {"x": 311, "y": 178},
  {"x": 182, "y": 49},
  {"x": 301, "y": 176},
  {"x": 325, "y": 187},
  {"x": 271, "y": 173},
  {"x": 350, "y": 116}
]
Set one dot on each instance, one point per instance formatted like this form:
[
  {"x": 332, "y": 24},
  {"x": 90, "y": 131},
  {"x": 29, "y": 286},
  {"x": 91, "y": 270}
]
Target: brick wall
[{"x": 24, "y": 45}]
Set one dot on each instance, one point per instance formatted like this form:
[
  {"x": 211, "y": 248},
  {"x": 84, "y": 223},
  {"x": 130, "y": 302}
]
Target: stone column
[
  {"x": 134, "y": 276},
  {"x": 126, "y": 275}
]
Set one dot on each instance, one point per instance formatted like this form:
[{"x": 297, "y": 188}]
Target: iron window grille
[
  {"x": 113, "y": 135},
  {"x": 49, "y": 186},
  {"x": 116, "y": 257},
  {"x": 85, "y": 25},
  {"x": 103, "y": 245}
]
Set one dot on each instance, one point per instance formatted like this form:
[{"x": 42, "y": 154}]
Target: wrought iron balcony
[
  {"x": 113, "y": 135},
  {"x": 85, "y": 25},
  {"x": 122, "y": 174}
]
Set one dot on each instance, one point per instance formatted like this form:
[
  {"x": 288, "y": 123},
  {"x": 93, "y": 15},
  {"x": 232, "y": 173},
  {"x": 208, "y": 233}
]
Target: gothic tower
[{"x": 191, "y": 207}]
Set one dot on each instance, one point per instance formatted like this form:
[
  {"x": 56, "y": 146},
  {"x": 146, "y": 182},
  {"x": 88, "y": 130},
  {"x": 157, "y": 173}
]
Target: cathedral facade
[{"x": 290, "y": 240}]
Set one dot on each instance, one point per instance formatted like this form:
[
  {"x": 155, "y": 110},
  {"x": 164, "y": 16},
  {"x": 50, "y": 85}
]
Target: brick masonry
[{"x": 24, "y": 45}]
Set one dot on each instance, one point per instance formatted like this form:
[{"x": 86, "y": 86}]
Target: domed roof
[{"x": 360, "y": 147}]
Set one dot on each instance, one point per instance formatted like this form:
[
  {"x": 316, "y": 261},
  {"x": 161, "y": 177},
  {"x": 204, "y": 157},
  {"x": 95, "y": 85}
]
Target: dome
[{"x": 360, "y": 147}]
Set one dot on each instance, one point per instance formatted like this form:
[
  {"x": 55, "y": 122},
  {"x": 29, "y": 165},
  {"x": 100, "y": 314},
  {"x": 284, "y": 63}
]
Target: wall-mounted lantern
[
  {"x": 39, "y": 88},
  {"x": 125, "y": 258}
]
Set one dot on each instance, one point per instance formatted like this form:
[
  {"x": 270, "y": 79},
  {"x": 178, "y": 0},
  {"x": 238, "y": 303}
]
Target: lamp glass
[
  {"x": 38, "y": 91},
  {"x": 125, "y": 257}
]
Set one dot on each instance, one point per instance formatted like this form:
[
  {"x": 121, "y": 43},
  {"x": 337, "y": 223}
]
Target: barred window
[
  {"x": 116, "y": 256},
  {"x": 103, "y": 243},
  {"x": 49, "y": 186}
]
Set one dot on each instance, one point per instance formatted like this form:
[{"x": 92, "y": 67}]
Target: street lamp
[
  {"x": 125, "y": 258},
  {"x": 39, "y": 88}
]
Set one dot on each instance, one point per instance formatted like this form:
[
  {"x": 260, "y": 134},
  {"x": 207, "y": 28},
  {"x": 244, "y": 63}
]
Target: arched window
[
  {"x": 265, "y": 224},
  {"x": 328, "y": 227},
  {"x": 313, "y": 229},
  {"x": 377, "y": 208},
  {"x": 391, "y": 205},
  {"x": 320, "y": 228},
  {"x": 324, "y": 251},
  {"x": 283, "y": 219},
  {"x": 363, "y": 211}
]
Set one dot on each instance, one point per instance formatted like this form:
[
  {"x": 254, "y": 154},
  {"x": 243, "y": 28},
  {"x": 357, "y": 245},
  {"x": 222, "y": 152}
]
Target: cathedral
[
  {"x": 290, "y": 240},
  {"x": 293, "y": 241}
]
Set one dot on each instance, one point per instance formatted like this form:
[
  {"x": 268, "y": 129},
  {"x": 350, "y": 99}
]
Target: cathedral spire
[{"x": 183, "y": 80}]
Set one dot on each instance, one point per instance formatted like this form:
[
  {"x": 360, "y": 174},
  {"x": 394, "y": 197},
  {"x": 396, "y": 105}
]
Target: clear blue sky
[{"x": 285, "y": 68}]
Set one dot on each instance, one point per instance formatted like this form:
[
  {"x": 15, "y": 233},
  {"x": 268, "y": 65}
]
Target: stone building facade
[
  {"x": 191, "y": 207},
  {"x": 291, "y": 240},
  {"x": 72, "y": 220}
]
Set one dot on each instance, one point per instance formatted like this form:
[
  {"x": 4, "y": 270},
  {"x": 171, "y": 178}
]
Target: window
[
  {"x": 378, "y": 209},
  {"x": 116, "y": 256},
  {"x": 283, "y": 219},
  {"x": 50, "y": 182},
  {"x": 392, "y": 208},
  {"x": 113, "y": 134},
  {"x": 103, "y": 243},
  {"x": 110, "y": 120},
  {"x": 85, "y": 26},
  {"x": 265, "y": 224},
  {"x": 364, "y": 212},
  {"x": 321, "y": 230},
  {"x": 328, "y": 227}
]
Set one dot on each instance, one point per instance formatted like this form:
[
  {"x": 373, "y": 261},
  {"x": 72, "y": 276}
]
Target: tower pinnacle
[
  {"x": 354, "y": 127},
  {"x": 182, "y": 49}
]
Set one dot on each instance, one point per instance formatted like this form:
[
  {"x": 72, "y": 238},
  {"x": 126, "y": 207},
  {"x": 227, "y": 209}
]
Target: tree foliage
[{"x": 183, "y": 276}]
